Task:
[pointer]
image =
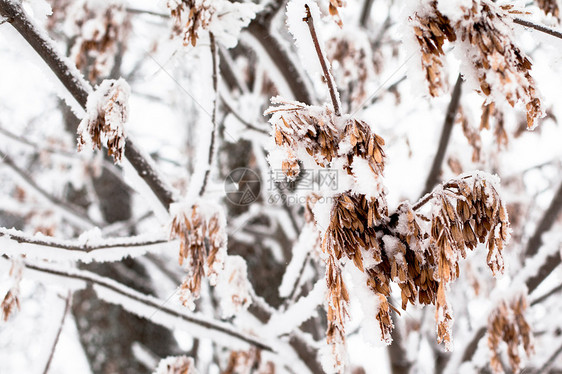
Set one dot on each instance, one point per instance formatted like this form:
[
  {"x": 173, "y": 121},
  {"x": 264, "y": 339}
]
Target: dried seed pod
[
  {"x": 549, "y": 7},
  {"x": 507, "y": 323},
  {"x": 107, "y": 111},
  {"x": 176, "y": 365},
  {"x": 189, "y": 16}
]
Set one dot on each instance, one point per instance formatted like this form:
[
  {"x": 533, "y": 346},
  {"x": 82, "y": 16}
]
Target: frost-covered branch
[
  {"x": 327, "y": 74},
  {"x": 153, "y": 308},
  {"x": 89, "y": 247},
  {"x": 74, "y": 82},
  {"x": 541, "y": 28}
]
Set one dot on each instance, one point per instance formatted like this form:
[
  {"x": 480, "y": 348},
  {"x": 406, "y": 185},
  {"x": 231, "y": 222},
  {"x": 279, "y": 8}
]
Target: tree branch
[
  {"x": 541, "y": 28},
  {"x": 327, "y": 74},
  {"x": 155, "y": 309},
  {"x": 16, "y": 243},
  {"x": 365, "y": 12},
  {"x": 215, "y": 62},
  {"x": 434, "y": 175},
  {"x": 66, "y": 309},
  {"x": 74, "y": 82}
]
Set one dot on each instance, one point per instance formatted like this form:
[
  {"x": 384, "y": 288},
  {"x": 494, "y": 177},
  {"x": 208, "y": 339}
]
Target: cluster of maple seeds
[
  {"x": 104, "y": 122},
  {"x": 192, "y": 231},
  {"x": 189, "y": 16},
  {"x": 248, "y": 362},
  {"x": 112, "y": 26},
  {"x": 507, "y": 323},
  {"x": 431, "y": 31},
  {"x": 494, "y": 56},
  {"x": 549, "y": 7}
]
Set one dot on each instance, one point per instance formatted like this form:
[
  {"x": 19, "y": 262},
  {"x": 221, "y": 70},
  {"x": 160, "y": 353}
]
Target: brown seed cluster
[
  {"x": 471, "y": 134},
  {"x": 192, "y": 231},
  {"x": 507, "y": 323},
  {"x": 107, "y": 113},
  {"x": 11, "y": 301},
  {"x": 355, "y": 67},
  {"x": 176, "y": 365},
  {"x": 100, "y": 32},
  {"x": 549, "y": 7},
  {"x": 431, "y": 31},
  {"x": 333, "y": 9},
  {"x": 250, "y": 361},
  {"x": 484, "y": 30},
  {"x": 190, "y": 16},
  {"x": 491, "y": 114}
]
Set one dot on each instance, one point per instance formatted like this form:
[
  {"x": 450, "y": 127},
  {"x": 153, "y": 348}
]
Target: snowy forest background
[{"x": 301, "y": 186}]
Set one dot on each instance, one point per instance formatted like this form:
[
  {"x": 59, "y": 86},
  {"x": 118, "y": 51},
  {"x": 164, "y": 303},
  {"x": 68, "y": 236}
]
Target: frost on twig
[
  {"x": 482, "y": 30},
  {"x": 507, "y": 323},
  {"x": 107, "y": 111},
  {"x": 223, "y": 18},
  {"x": 176, "y": 365},
  {"x": 202, "y": 235}
]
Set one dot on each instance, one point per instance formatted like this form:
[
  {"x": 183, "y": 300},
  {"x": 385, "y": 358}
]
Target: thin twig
[
  {"x": 75, "y": 83},
  {"x": 327, "y": 75},
  {"x": 542, "y": 298},
  {"x": 541, "y": 28},
  {"x": 550, "y": 361},
  {"x": 365, "y": 12},
  {"x": 433, "y": 177},
  {"x": 65, "y": 313},
  {"x": 215, "y": 61}
]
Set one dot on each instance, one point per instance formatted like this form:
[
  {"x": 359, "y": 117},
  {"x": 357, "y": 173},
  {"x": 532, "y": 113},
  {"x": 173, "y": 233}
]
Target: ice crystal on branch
[
  {"x": 201, "y": 231},
  {"x": 507, "y": 323},
  {"x": 107, "y": 111},
  {"x": 176, "y": 365}
]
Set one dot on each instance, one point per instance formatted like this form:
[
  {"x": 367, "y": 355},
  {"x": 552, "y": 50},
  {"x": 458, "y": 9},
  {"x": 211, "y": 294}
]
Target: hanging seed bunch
[
  {"x": 333, "y": 9},
  {"x": 549, "y": 7},
  {"x": 485, "y": 33},
  {"x": 248, "y": 362},
  {"x": 202, "y": 249},
  {"x": 99, "y": 32},
  {"x": 354, "y": 67},
  {"x": 507, "y": 323},
  {"x": 431, "y": 29},
  {"x": 471, "y": 134},
  {"x": 189, "y": 16},
  {"x": 491, "y": 114},
  {"x": 176, "y": 365},
  {"x": 233, "y": 287},
  {"x": 107, "y": 111},
  {"x": 11, "y": 300}
]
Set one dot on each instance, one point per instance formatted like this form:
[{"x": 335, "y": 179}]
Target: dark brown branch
[
  {"x": 541, "y": 28},
  {"x": 365, "y": 12},
  {"x": 259, "y": 29},
  {"x": 546, "y": 222},
  {"x": 66, "y": 309},
  {"x": 152, "y": 302},
  {"x": 542, "y": 298},
  {"x": 549, "y": 362},
  {"x": 435, "y": 172},
  {"x": 327, "y": 74},
  {"x": 215, "y": 62},
  {"x": 71, "y": 78}
]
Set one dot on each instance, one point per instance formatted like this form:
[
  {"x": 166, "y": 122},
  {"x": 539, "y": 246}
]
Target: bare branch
[
  {"x": 74, "y": 82},
  {"x": 435, "y": 172},
  {"x": 327, "y": 74}
]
